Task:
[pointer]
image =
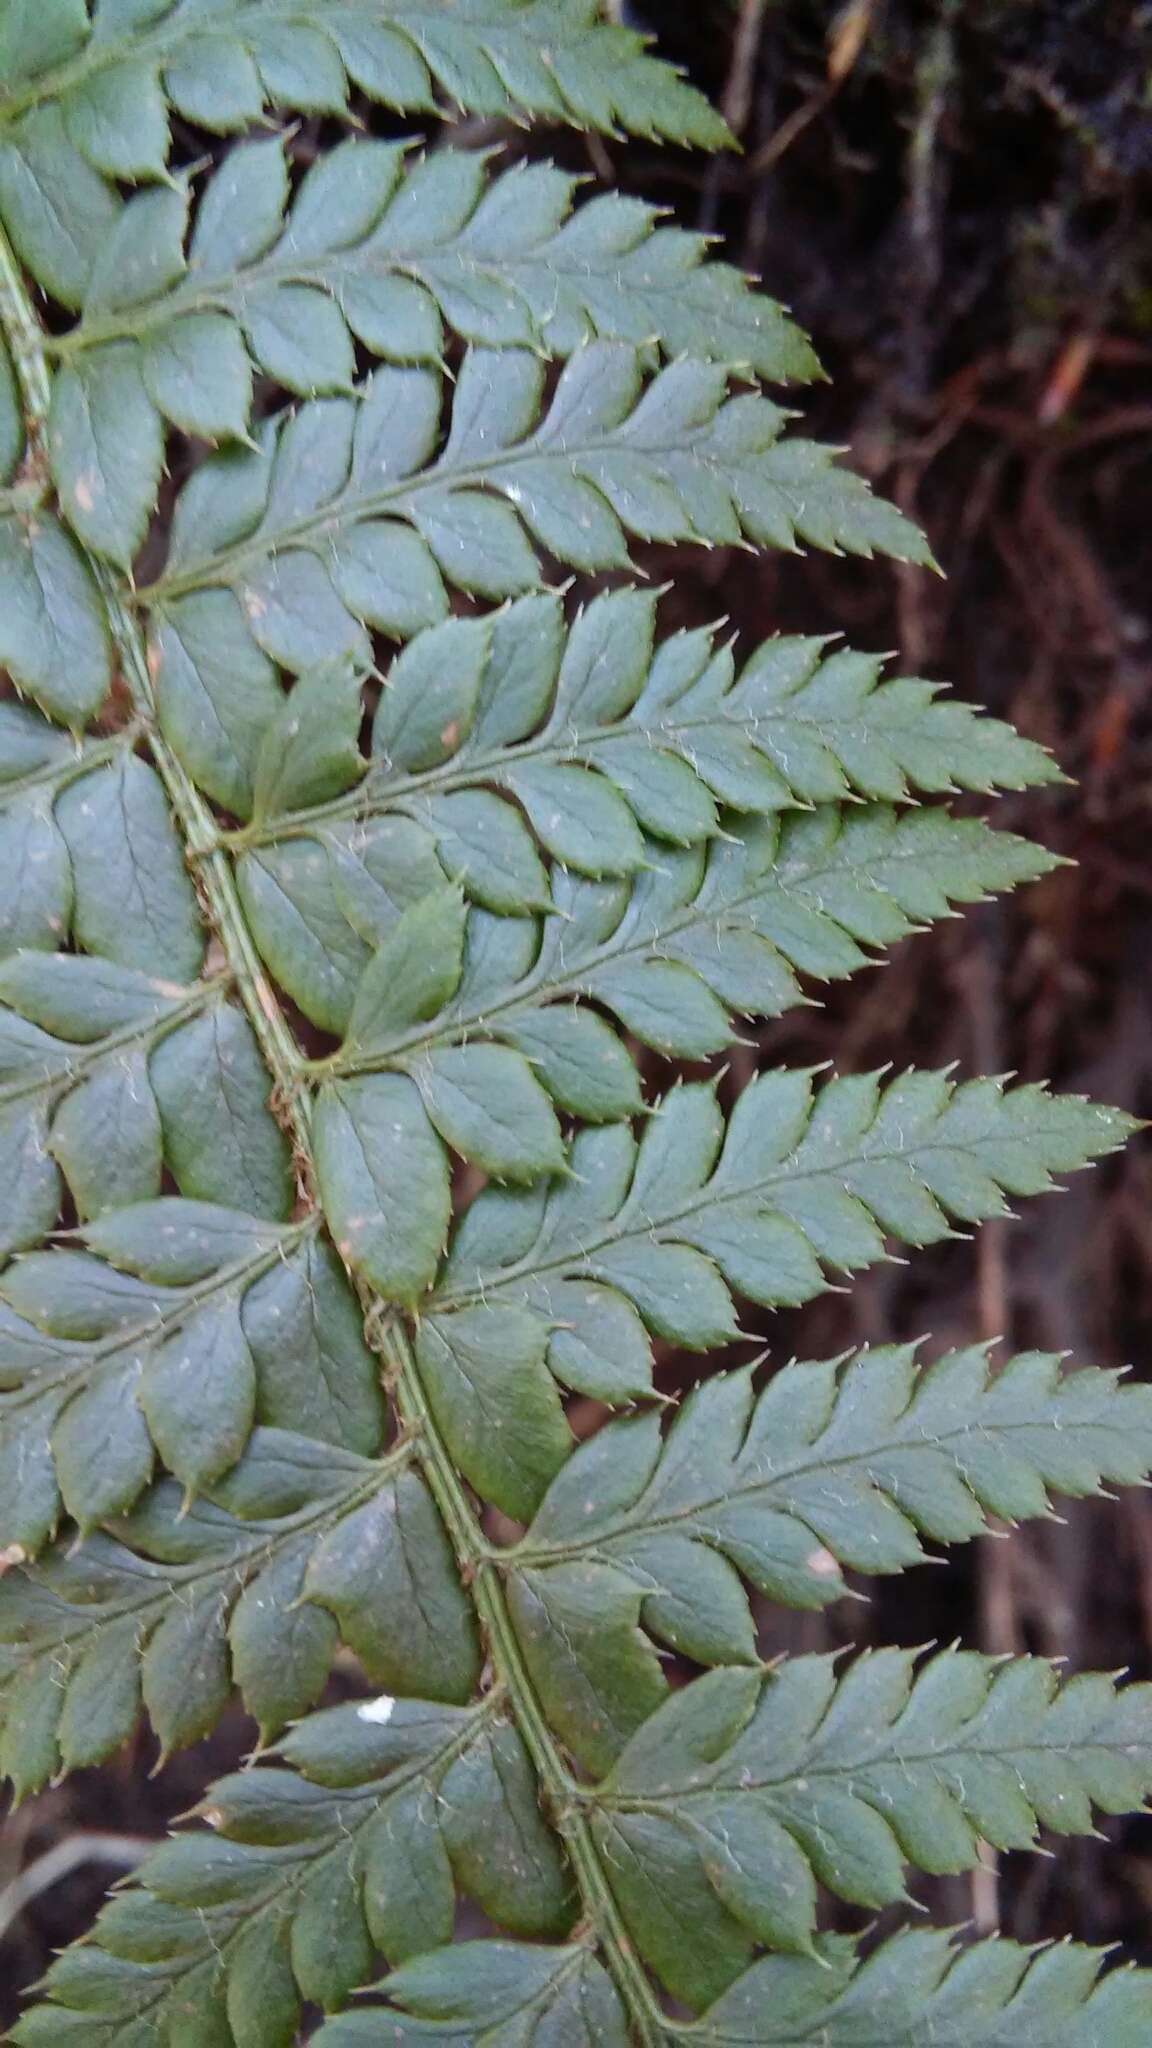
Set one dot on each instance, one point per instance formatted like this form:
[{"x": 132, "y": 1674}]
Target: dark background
[{"x": 955, "y": 200}]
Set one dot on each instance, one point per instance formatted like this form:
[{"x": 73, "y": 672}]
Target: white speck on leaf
[{"x": 380, "y": 1710}]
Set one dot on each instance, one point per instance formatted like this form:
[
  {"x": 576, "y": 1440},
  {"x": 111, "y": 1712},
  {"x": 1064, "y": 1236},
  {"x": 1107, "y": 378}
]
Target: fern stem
[
  {"x": 291, "y": 1096},
  {"x": 217, "y": 884},
  {"x": 560, "y": 1788},
  {"x": 25, "y": 339}
]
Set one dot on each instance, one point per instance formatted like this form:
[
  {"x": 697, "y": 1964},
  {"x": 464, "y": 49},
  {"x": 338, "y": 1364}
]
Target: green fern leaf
[
  {"x": 568, "y": 1278},
  {"x": 53, "y": 637},
  {"x": 98, "y": 1351},
  {"x": 389, "y": 1810},
  {"x": 832, "y": 1465},
  {"x": 485, "y": 1992},
  {"x": 110, "y": 874},
  {"x": 390, "y": 250},
  {"x": 695, "y": 936},
  {"x": 82, "y": 103},
  {"x": 794, "y": 726},
  {"x": 106, "y": 444},
  {"x": 488, "y": 873},
  {"x": 300, "y": 530},
  {"x": 739, "y": 1793},
  {"x": 198, "y": 1097},
  {"x": 37, "y": 763},
  {"x": 493, "y": 1992},
  {"x": 523, "y": 704},
  {"x": 917, "y": 1990},
  {"x": 116, "y": 1063},
  {"x": 657, "y": 1234},
  {"x": 302, "y": 1544}
]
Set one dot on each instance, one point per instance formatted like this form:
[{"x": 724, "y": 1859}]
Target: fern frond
[
  {"x": 494, "y": 1993},
  {"x": 669, "y": 958},
  {"x": 302, "y": 528},
  {"x": 83, "y": 102},
  {"x": 919, "y": 1990},
  {"x": 37, "y": 764},
  {"x": 53, "y": 634},
  {"x": 119, "y": 1062},
  {"x": 377, "y": 249},
  {"x": 834, "y": 1464},
  {"x": 795, "y": 724},
  {"x": 112, "y": 1076},
  {"x": 99, "y": 1351},
  {"x": 121, "y": 888},
  {"x": 522, "y": 703},
  {"x": 695, "y": 936},
  {"x": 303, "y": 1544},
  {"x": 481, "y": 873},
  {"x": 742, "y": 1791},
  {"x": 389, "y": 1810},
  {"x": 657, "y": 1234}
]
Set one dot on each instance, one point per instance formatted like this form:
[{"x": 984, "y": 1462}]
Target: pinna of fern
[{"x": 349, "y": 847}]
